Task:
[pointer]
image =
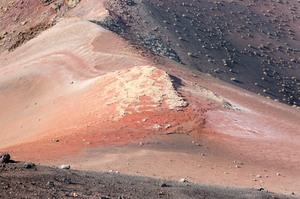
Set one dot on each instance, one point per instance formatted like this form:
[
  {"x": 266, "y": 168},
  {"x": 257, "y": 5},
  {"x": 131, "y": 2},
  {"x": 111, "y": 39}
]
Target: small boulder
[
  {"x": 182, "y": 180},
  {"x": 28, "y": 165},
  {"x": 72, "y": 3},
  {"x": 64, "y": 166},
  {"x": 50, "y": 184},
  {"x": 46, "y": 2},
  {"x": 4, "y": 158},
  {"x": 162, "y": 184}
]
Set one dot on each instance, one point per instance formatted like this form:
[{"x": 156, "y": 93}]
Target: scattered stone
[
  {"x": 224, "y": 52},
  {"x": 28, "y": 165},
  {"x": 162, "y": 184},
  {"x": 129, "y": 2},
  {"x": 74, "y": 194},
  {"x": 65, "y": 166},
  {"x": 72, "y": 3},
  {"x": 112, "y": 171},
  {"x": 50, "y": 184},
  {"x": 183, "y": 180},
  {"x": 156, "y": 127},
  {"x": 46, "y": 2},
  {"x": 24, "y": 23},
  {"x": 160, "y": 193},
  {"x": 67, "y": 180},
  {"x": 105, "y": 197},
  {"x": 4, "y": 158},
  {"x": 168, "y": 126},
  {"x": 262, "y": 190}
]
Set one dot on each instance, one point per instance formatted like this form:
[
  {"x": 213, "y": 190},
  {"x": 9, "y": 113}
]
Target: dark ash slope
[{"x": 252, "y": 45}]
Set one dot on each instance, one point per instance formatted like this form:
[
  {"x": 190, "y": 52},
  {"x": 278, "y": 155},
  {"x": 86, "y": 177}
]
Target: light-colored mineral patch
[
  {"x": 141, "y": 88},
  {"x": 72, "y": 3}
]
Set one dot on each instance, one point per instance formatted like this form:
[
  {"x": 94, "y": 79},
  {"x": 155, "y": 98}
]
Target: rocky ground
[
  {"x": 253, "y": 45},
  {"x": 19, "y": 180},
  {"x": 78, "y": 94},
  {"x": 17, "y": 26}
]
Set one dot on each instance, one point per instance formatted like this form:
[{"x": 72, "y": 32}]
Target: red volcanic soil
[
  {"x": 79, "y": 94},
  {"x": 23, "y": 20}
]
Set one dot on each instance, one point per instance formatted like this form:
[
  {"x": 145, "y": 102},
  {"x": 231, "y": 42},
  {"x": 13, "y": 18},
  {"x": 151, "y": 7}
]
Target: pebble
[
  {"x": 28, "y": 165},
  {"x": 50, "y": 184},
  {"x": 182, "y": 180},
  {"x": 160, "y": 193},
  {"x": 168, "y": 126},
  {"x": 65, "y": 166},
  {"x": 156, "y": 127},
  {"x": 4, "y": 158}
]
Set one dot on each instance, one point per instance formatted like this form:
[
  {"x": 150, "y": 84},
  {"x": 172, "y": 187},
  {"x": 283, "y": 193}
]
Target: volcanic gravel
[
  {"x": 18, "y": 180},
  {"x": 252, "y": 45}
]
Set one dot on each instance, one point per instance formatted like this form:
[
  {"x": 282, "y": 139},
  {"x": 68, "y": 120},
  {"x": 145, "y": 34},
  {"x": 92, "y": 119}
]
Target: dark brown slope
[
  {"x": 23, "y": 20},
  {"x": 19, "y": 180},
  {"x": 252, "y": 45}
]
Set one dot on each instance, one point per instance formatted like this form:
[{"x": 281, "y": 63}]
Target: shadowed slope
[{"x": 252, "y": 45}]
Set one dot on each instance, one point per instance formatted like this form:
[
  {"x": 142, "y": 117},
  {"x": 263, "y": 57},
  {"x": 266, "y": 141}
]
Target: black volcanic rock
[
  {"x": 252, "y": 45},
  {"x": 46, "y": 2},
  {"x": 4, "y": 158}
]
